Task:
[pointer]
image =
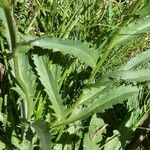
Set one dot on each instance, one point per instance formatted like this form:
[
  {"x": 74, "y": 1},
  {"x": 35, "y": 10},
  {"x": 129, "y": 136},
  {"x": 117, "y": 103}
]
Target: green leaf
[
  {"x": 42, "y": 129},
  {"x": 22, "y": 101},
  {"x": 40, "y": 107},
  {"x": 88, "y": 144},
  {"x": 92, "y": 91},
  {"x": 2, "y": 16},
  {"x": 96, "y": 127},
  {"x": 3, "y": 118},
  {"x": 134, "y": 30},
  {"x": 19, "y": 91},
  {"x": 23, "y": 72},
  {"x": 2, "y": 145},
  {"x": 58, "y": 146},
  {"x": 50, "y": 82},
  {"x": 74, "y": 48},
  {"x": 26, "y": 80},
  {"x": 23, "y": 145},
  {"x": 77, "y": 49},
  {"x": 132, "y": 75},
  {"x": 113, "y": 143},
  {"x": 94, "y": 135},
  {"x": 137, "y": 60},
  {"x": 105, "y": 101}
]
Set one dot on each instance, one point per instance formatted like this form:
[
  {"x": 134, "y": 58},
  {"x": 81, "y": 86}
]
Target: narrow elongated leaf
[
  {"x": 91, "y": 92},
  {"x": 132, "y": 75},
  {"x": 74, "y": 48},
  {"x": 134, "y": 30},
  {"x": 77, "y": 49},
  {"x": 114, "y": 96},
  {"x": 137, "y": 60},
  {"x": 42, "y": 129},
  {"x": 49, "y": 81},
  {"x": 26, "y": 79}
]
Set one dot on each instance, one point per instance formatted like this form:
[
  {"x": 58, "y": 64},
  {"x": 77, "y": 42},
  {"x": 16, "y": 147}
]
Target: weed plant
[{"x": 74, "y": 74}]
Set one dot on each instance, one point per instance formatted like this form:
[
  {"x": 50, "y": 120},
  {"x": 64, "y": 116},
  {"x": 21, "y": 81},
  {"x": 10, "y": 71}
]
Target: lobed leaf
[
  {"x": 74, "y": 48},
  {"x": 26, "y": 80},
  {"x": 105, "y": 101},
  {"x": 77, "y": 49},
  {"x": 92, "y": 91},
  {"x": 49, "y": 81}
]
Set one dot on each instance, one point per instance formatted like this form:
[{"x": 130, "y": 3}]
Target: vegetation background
[{"x": 74, "y": 74}]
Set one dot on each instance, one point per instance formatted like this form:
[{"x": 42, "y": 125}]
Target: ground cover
[{"x": 74, "y": 74}]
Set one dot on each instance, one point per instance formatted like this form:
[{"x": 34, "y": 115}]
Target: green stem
[
  {"x": 12, "y": 34},
  {"x": 13, "y": 45}
]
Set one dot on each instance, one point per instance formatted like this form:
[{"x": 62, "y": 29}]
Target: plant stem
[
  {"x": 15, "y": 55},
  {"x": 12, "y": 34}
]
